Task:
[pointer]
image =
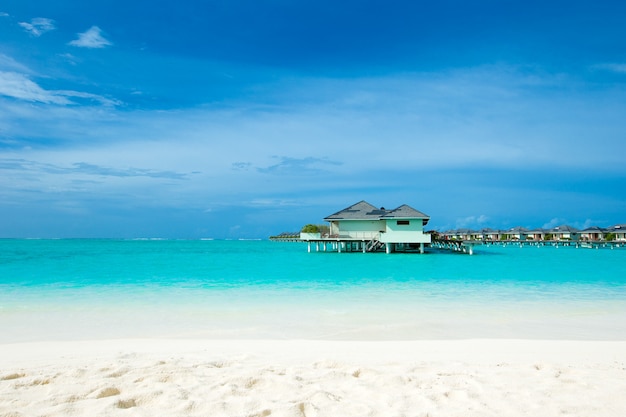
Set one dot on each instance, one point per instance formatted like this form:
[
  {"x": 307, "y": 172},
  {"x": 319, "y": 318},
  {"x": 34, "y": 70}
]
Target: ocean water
[{"x": 94, "y": 289}]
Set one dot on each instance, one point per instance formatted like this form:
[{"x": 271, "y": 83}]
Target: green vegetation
[
  {"x": 609, "y": 237},
  {"x": 310, "y": 228},
  {"x": 316, "y": 228}
]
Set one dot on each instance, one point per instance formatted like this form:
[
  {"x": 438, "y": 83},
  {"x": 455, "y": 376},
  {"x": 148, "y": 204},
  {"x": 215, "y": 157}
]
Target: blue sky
[{"x": 241, "y": 119}]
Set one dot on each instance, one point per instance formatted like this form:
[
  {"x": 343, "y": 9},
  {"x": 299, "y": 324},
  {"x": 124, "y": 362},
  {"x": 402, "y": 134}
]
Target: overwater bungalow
[
  {"x": 564, "y": 232},
  {"x": 619, "y": 230},
  {"x": 536, "y": 234},
  {"x": 446, "y": 234},
  {"x": 466, "y": 234},
  {"x": 365, "y": 227},
  {"x": 517, "y": 233},
  {"x": 488, "y": 234},
  {"x": 592, "y": 234}
]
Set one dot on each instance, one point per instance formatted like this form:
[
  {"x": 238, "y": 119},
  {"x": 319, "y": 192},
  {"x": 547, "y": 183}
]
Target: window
[{"x": 402, "y": 222}]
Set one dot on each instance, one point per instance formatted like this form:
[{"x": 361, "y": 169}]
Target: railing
[
  {"x": 360, "y": 235},
  {"x": 373, "y": 243}
]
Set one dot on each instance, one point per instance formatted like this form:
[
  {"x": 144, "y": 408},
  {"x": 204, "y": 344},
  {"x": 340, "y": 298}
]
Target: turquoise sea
[{"x": 94, "y": 289}]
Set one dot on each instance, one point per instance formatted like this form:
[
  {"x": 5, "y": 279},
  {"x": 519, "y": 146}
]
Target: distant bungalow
[
  {"x": 364, "y": 227},
  {"x": 616, "y": 233}
]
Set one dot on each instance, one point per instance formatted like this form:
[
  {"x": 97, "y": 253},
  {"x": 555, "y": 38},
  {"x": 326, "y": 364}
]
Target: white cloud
[
  {"x": 613, "y": 67},
  {"x": 554, "y": 223},
  {"x": 69, "y": 58},
  {"x": 4, "y": 14},
  {"x": 38, "y": 26},
  {"x": 92, "y": 38},
  {"x": 93, "y": 97},
  {"x": 587, "y": 223},
  {"x": 20, "y": 87},
  {"x": 9, "y": 64},
  {"x": 272, "y": 202},
  {"x": 472, "y": 221}
]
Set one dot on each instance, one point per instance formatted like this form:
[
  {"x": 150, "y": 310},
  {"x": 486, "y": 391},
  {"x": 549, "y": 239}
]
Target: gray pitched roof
[
  {"x": 405, "y": 212},
  {"x": 518, "y": 229},
  {"x": 359, "y": 211},
  {"x": 564, "y": 228},
  {"x": 594, "y": 229},
  {"x": 366, "y": 211}
]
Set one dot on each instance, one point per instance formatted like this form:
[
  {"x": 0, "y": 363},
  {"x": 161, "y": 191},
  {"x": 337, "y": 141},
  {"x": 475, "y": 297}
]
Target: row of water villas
[
  {"x": 363, "y": 227},
  {"x": 559, "y": 235}
]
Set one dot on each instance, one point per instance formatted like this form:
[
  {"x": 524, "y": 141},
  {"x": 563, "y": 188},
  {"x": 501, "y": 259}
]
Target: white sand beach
[{"x": 168, "y": 377}]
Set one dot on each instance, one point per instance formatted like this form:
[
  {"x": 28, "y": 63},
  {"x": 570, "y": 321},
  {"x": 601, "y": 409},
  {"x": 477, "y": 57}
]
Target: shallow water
[{"x": 91, "y": 289}]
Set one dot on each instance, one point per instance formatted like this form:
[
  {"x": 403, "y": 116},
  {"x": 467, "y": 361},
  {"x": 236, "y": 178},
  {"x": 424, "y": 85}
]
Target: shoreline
[
  {"x": 199, "y": 377},
  {"x": 467, "y": 350}
]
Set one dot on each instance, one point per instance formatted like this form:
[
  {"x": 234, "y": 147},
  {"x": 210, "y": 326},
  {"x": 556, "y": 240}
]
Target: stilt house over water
[{"x": 367, "y": 228}]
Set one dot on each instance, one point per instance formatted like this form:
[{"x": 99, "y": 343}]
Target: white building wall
[
  {"x": 360, "y": 229},
  {"x": 404, "y": 233}
]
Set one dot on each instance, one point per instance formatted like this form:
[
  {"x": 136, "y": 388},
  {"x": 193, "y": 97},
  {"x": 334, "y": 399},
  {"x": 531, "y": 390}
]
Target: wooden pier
[
  {"x": 360, "y": 245},
  {"x": 339, "y": 245},
  {"x": 557, "y": 243},
  {"x": 462, "y": 246},
  {"x": 466, "y": 246}
]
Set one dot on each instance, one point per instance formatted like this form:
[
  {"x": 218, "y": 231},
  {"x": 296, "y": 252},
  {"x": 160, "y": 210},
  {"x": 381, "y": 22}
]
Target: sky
[{"x": 243, "y": 119}]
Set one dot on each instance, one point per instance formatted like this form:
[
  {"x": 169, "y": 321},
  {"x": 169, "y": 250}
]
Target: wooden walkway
[
  {"x": 467, "y": 246},
  {"x": 557, "y": 243},
  {"x": 454, "y": 245},
  {"x": 462, "y": 246}
]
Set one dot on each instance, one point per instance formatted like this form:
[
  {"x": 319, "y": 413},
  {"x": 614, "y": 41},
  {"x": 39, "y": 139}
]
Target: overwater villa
[
  {"x": 619, "y": 230},
  {"x": 593, "y": 234},
  {"x": 367, "y": 228},
  {"x": 562, "y": 233}
]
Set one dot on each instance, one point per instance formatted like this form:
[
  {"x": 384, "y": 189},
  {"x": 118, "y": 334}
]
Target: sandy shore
[{"x": 313, "y": 378}]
